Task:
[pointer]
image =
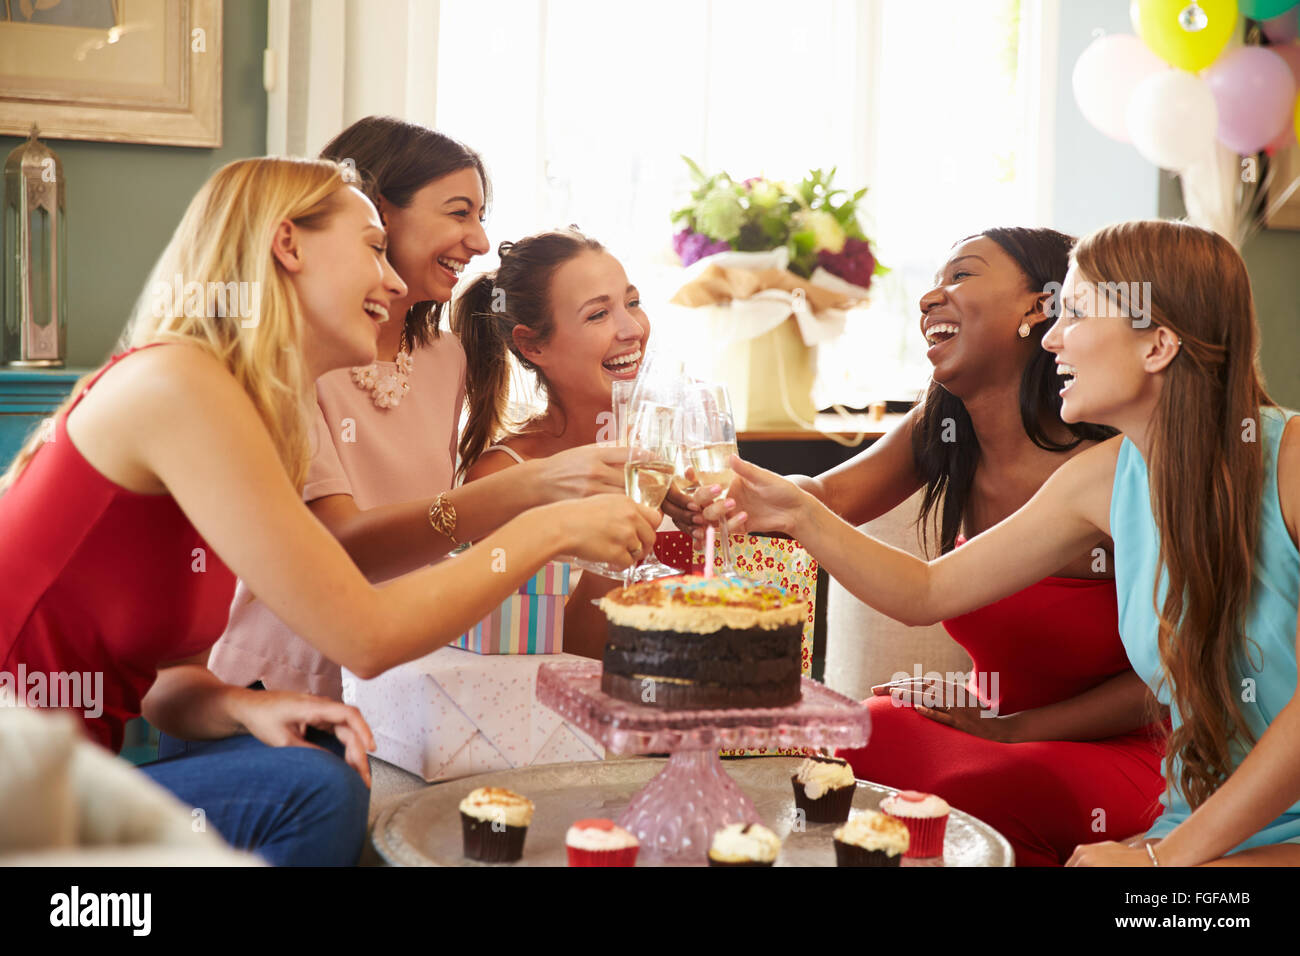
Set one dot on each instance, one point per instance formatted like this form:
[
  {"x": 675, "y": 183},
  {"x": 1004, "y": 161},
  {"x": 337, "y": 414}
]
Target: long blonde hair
[{"x": 220, "y": 251}]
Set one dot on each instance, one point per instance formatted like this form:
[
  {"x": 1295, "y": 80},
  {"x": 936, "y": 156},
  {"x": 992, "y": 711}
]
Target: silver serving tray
[{"x": 423, "y": 828}]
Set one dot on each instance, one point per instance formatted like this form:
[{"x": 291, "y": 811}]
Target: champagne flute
[
  {"x": 651, "y": 464},
  {"x": 708, "y": 442}
]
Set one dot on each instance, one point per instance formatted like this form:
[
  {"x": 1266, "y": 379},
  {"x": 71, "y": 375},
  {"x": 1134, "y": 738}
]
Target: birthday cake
[{"x": 689, "y": 642}]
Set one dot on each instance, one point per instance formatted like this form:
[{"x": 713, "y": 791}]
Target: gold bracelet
[
  {"x": 442, "y": 515},
  {"x": 1151, "y": 852}
]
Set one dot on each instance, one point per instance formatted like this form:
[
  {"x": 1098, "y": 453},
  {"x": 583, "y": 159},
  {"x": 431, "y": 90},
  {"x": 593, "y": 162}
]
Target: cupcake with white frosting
[
  {"x": 823, "y": 789},
  {"x": 744, "y": 844},
  {"x": 924, "y": 815},
  {"x": 600, "y": 843},
  {"x": 494, "y": 822},
  {"x": 870, "y": 838}
]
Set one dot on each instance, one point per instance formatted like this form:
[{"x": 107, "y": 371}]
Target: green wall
[
  {"x": 124, "y": 200},
  {"x": 1273, "y": 261}
]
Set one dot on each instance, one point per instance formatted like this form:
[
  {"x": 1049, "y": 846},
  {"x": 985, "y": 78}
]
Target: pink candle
[{"x": 709, "y": 538}]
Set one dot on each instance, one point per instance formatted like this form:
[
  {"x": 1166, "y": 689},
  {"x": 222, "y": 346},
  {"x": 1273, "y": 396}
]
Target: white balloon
[
  {"x": 1105, "y": 76},
  {"x": 1172, "y": 119}
]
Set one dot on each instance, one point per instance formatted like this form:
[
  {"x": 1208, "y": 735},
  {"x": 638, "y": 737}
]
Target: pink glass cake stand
[{"x": 676, "y": 813}]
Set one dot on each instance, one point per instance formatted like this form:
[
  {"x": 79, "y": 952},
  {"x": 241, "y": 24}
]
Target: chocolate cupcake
[
  {"x": 494, "y": 822},
  {"x": 744, "y": 844},
  {"x": 823, "y": 789},
  {"x": 870, "y": 838}
]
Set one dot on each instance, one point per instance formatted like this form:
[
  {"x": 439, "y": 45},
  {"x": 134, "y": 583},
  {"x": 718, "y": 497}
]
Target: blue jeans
[{"x": 292, "y": 806}]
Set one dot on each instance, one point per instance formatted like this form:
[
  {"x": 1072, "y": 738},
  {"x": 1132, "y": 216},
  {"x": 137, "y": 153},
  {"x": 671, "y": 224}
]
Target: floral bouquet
[
  {"x": 772, "y": 271},
  {"x": 816, "y": 224}
]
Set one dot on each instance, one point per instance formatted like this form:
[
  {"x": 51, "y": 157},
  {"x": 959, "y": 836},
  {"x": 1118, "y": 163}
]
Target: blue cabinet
[{"x": 27, "y": 397}]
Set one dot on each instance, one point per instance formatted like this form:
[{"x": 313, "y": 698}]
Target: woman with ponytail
[
  {"x": 180, "y": 464},
  {"x": 561, "y": 309},
  {"x": 1201, "y": 495},
  {"x": 382, "y": 472},
  {"x": 1042, "y": 733}
]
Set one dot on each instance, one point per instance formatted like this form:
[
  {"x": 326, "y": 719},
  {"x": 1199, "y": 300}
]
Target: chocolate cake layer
[{"x": 673, "y": 696}]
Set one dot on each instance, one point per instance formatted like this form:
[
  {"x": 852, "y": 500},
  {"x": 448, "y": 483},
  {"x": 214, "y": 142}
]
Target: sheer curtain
[{"x": 583, "y": 108}]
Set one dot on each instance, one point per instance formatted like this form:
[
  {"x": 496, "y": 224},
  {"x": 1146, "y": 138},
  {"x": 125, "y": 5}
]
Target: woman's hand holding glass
[
  {"x": 605, "y": 530},
  {"x": 757, "y": 499}
]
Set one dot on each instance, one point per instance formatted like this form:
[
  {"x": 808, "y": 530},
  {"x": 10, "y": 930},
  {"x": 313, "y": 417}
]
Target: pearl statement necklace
[{"x": 386, "y": 391}]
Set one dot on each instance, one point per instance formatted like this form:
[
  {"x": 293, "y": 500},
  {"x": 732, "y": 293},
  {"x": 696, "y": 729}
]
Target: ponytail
[{"x": 487, "y": 371}]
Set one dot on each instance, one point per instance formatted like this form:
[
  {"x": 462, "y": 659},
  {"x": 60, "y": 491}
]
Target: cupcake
[
  {"x": 600, "y": 843},
  {"x": 823, "y": 789},
  {"x": 870, "y": 839},
  {"x": 494, "y": 822},
  {"x": 744, "y": 844},
  {"x": 926, "y": 818}
]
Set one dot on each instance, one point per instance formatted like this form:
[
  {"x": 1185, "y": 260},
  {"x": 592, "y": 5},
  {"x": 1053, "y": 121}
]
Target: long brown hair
[
  {"x": 484, "y": 318},
  {"x": 393, "y": 160},
  {"x": 946, "y": 463},
  {"x": 1206, "y": 478}
]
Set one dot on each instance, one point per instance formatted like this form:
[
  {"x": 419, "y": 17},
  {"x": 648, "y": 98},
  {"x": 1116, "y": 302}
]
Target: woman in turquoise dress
[{"x": 1157, "y": 338}]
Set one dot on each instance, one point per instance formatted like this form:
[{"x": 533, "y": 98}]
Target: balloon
[
  {"x": 1254, "y": 92},
  {"x": 1265, "y": 9},
  {"x": 1283, "y": 29},
  {"x": 1291, "y": 53},
  {"x": 1172, "y": 119},
  {"x": 1105, "y": 76},
  {"x": 1158, "y": 23}
]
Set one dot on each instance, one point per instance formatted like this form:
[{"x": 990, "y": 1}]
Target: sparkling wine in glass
[
  {"x": 708, "y": 442},
  {"x": 651, "y": 464}
]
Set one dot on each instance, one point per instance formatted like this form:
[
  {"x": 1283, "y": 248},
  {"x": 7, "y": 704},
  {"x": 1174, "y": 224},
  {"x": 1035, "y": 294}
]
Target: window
[{"x": 582, "y": 109}]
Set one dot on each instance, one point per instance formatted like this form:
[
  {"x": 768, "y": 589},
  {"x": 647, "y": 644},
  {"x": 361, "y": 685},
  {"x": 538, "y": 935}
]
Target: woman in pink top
[{"x": 385, "y": 435}]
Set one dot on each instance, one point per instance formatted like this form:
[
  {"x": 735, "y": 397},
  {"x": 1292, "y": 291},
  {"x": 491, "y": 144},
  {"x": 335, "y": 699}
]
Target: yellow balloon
[{"x": 1157, "y": 23}]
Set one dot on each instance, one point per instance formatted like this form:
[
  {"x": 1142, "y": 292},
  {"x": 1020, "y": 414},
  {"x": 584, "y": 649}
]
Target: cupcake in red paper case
[
  {"x": 600, "y": 843},
  {"x": 494, "y": 822},
  {"x": 870, "y": 839},
  {"x": 744, "y": 844},
  {"x": 823, "y": 789},
  {"x": 924, "y": 815}
]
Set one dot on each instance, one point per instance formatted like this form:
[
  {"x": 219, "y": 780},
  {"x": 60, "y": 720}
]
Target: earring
[{"x": 1024, "y": 330}]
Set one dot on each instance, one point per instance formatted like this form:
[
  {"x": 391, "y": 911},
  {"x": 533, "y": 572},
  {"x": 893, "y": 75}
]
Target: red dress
[
  {"x": 99, "y": 579},
  {"x": 1047, "y": 643}
]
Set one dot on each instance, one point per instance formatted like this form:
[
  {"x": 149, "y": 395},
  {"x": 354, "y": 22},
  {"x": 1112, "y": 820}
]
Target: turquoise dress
[{"x": 1267, "y": 667}]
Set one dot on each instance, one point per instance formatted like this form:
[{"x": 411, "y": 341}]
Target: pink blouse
[{"x": 379, "y": 457}]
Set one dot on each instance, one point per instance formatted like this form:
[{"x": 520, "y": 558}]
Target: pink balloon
[
  {"x": 1291, "y": 53},
  {"x": 1105, "y": 76},
  {"x": 1284, "y": 28},
  {"x": 1255, "y": 92}
]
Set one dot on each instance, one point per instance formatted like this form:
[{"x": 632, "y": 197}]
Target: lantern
[{"x": 34, "y": 332}]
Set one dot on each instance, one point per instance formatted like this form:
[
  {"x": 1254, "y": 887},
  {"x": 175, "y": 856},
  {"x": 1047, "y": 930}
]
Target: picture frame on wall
[{"x": 116, "y": 71}]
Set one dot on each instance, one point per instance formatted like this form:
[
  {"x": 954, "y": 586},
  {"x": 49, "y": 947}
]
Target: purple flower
[
  {"x": 692, "y": 246},
  {"x": 854, "y": 263}
]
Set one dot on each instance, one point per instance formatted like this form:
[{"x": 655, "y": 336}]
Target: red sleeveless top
[
  {"x": 99, "y": 580},
  {"x": 1052, "y": 641}
]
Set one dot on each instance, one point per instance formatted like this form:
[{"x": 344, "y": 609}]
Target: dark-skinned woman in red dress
[{"x": 1056, "y": 745}]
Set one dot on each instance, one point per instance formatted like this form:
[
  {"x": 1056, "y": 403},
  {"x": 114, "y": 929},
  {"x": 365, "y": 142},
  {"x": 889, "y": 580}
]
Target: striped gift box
[{"x": 530, "y": 622}]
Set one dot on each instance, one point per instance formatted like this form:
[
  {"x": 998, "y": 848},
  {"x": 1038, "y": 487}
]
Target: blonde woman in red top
[{"x": 182, "y": 467}]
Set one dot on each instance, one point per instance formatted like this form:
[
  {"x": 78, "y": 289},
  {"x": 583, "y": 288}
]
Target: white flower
[
  {"x": 388, "y": 392},
  {"x": 405, "y": 364},
  {"x": 365, "y": 376}
]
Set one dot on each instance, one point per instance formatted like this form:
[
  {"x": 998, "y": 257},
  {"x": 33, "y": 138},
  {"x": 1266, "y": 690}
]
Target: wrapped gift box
[
  {"x": 454, "y": 713},
  {"x": 529, "y": 622}
]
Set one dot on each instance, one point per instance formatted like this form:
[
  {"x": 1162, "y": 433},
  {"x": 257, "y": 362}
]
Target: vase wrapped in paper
[
  {"x": 760, "y": 325},
  {"x": 773, "y": 270}
]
